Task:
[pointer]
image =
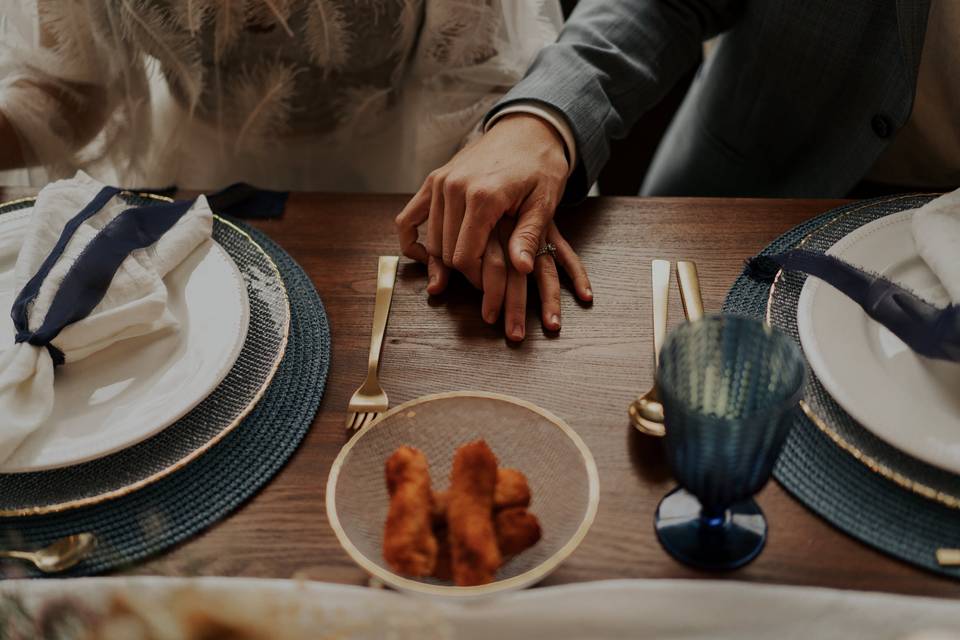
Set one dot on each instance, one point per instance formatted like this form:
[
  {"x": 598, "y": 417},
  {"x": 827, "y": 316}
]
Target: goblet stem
[{"x": 713, "y": 518}]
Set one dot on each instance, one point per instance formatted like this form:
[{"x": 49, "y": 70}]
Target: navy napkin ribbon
[
  {"x": 927, "y": 329},
  {"x": 242, "y": 200},
  {"x": 239, "y": 200},
  {"x": 89, "y": 277}
]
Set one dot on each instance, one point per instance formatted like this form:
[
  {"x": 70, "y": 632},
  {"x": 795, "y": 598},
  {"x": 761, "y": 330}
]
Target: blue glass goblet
[{"x": 729, "y": 387}]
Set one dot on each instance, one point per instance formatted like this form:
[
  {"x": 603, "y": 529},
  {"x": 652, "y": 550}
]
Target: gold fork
[{"x": 370, "y": 400}]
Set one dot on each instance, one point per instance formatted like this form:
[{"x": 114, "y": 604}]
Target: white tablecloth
[{"x": 674, "y": 609}]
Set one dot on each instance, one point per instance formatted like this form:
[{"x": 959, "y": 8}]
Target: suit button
[{"x": 881, "y": 125}]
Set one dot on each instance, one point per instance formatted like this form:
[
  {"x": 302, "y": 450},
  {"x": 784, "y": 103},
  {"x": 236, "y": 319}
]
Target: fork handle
[{"x": 386, "y": 278}]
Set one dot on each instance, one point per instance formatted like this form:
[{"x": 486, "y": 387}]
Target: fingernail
[
  {"x": 433, "y": 280},
  {"x": 589, "y": 293},
  {"x": 490, "y": 317},
  {"x": 555, "y": 321},
  {"x": 517, "y": 332},
  {"x": 525, "y": 256}
]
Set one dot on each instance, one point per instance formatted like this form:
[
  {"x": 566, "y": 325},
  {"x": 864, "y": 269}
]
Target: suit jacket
[{"x": 799, "y": 98}]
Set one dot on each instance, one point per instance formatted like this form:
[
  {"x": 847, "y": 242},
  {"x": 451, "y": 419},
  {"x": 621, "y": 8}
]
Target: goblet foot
[{"x": 728, "y": 541}]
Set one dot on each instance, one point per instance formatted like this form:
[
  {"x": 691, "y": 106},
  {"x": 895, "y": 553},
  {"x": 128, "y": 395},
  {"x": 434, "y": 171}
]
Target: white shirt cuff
[{"x": 552, "y": 116}]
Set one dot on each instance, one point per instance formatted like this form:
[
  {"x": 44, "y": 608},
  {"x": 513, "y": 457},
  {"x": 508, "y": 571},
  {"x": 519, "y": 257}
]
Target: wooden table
[{"x": 586, "y": 375}]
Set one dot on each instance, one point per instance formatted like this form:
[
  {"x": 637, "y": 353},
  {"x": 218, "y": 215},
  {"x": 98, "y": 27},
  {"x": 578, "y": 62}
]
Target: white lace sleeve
[
  {"x": 53, "y": 79},
  {"x": 289, "y": 94},
  {"x": 469, "y": 54}
]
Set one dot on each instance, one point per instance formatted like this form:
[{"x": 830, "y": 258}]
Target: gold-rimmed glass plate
[{"x": 561, "y": 471}]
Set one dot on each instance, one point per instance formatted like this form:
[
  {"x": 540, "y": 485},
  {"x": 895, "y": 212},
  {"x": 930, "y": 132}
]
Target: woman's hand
[
  {"x": 517, "y": 168},
  {"x": 505, "y": 288}
]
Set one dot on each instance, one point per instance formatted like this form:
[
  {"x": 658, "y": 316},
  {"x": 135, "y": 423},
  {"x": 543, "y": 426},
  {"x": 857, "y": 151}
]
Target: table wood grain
[{"x": 587, "y": 374}]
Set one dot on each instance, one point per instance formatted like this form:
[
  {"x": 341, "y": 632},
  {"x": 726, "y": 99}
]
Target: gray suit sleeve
[{"x": 614, "y": 60}]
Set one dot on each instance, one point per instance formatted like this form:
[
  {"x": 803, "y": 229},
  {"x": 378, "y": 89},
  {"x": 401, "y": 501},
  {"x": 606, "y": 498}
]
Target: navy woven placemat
[
  {"x": 171, "y": 510},
  {"x": 833, "y": 483}
]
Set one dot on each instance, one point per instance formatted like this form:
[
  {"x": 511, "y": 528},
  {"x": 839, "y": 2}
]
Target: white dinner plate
[
  {"x": 135, "y": 388},
  {"x": 911, "y": 402}
]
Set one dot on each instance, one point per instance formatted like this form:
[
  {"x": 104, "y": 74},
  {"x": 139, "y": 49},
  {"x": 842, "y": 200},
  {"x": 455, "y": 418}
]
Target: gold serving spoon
[
  {"x": 59, "y": 556},
  {"x": 646, "y": 412}
]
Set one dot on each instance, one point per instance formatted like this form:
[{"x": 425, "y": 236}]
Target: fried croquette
[
  {"x": 409, "y": 545},
  {"x": 512, "y": 490},
  {"x": 473, "y": 543},
  {"x": 517, "y": 530}
]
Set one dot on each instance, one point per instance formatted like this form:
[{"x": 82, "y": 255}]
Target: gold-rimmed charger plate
[
  {"x": 90, "y": 483},
  {"x": 878, "y": 456},
  {"x": 563, "y": 479}
]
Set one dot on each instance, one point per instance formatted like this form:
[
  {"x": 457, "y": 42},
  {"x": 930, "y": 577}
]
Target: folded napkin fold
[
  {"x": 89, "y": 274},
  {"x": 929, "y": 330},
  {"x": 936, "y": 233}
]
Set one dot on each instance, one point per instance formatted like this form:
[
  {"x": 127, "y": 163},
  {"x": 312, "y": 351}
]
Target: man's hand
[{"x": 517, "y": 168}]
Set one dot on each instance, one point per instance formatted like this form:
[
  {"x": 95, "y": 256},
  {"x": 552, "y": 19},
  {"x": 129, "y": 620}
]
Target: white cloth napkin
[
  {"x": 134, "y": 305},
  {"x": 936, "y": 232}
]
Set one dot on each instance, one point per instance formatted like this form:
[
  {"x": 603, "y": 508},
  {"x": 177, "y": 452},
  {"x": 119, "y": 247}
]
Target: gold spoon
[
  {"x": 646, "y": 412},
  {"x": 59, "y": 556}
]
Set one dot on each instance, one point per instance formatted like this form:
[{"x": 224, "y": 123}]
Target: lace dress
[{"x": 347, "y": 95}]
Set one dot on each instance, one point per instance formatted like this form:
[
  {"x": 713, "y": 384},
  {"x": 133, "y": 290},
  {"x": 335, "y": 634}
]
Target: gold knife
[{"x": 690, "y": 294}]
